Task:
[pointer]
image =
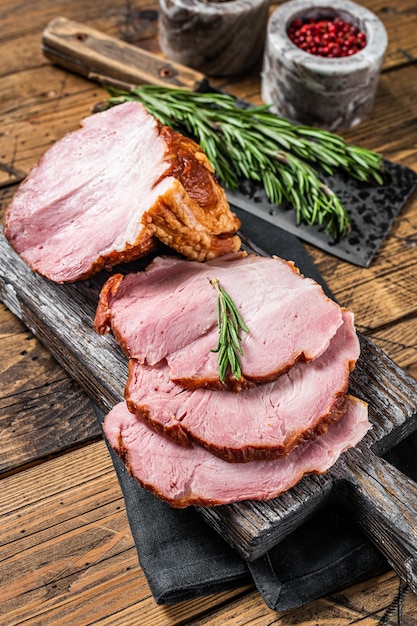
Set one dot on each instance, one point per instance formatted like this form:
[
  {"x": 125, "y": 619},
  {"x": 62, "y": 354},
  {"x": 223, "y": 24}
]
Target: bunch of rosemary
[{"x": 253, "y": 143}]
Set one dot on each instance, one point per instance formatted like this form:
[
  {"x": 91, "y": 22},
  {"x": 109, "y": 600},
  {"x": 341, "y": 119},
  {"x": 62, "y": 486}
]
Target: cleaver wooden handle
[
  {"x": 383, "y": 502},
  {"x": 95, "y": 55}
]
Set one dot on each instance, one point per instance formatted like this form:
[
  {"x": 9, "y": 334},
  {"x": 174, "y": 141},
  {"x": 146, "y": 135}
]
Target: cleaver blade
[{"x": 372, "y": 210}]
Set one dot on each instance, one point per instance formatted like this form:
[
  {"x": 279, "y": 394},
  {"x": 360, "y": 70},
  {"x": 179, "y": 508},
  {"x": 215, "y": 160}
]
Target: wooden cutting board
[{"x": 382, "y": 500}]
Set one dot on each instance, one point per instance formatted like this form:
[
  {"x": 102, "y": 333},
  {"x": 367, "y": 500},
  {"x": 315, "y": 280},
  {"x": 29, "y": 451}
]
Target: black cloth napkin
[{"x": 183, "y": 558}]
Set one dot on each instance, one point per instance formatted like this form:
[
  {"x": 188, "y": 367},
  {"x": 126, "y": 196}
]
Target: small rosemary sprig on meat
[
  {"x": 253, "y": 143},
  {"x": 230, "y": 324}
]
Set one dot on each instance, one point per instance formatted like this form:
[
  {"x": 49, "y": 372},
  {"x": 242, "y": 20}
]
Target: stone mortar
[{"x": 331, "y": 93}]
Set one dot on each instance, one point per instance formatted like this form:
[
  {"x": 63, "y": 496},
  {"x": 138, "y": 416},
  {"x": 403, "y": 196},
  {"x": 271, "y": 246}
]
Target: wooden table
[{"x": 67, "y": 554}]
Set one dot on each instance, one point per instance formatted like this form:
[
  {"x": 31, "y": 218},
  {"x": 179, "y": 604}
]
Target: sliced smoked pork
[
  {"x": 185, "y": 476},
  {"x": 105, "y": 192},
  {"x": 262, "y": 422},
  {"x": 170, "y": 311}
]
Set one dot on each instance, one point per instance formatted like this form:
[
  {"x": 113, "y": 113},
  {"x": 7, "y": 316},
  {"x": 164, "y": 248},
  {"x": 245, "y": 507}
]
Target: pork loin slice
[
  {"x": 170, "y": 311},
  {"x": 104, "y": 193},
  {"x": 193, "y": 476},
  {"x": 262, "y": 422}
]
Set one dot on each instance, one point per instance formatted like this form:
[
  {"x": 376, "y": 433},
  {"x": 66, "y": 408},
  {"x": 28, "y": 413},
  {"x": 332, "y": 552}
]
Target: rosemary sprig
[
  {"x": 230, "y": 323},
  {"x": 253, "y": 143}
]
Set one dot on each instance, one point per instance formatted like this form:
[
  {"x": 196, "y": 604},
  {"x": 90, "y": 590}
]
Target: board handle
[
  {"x": 383, "y": 502},
  {"x": 97, "y": 56}
]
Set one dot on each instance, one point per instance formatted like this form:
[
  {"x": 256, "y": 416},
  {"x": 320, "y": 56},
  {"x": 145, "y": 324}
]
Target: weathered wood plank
[
  {"x": 399, "y": 342},
  {"x": 124, "y": 19},
  {"x": 384, "y": 598},
  {"x": 67, "y": 552},
  {"x": 55, "y": 102},
  {"x": 42, "y": 410},
  {"x": 370, "y": 604}
]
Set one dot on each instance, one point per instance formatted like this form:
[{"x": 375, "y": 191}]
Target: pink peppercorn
[{"x": 331, "y": 37}]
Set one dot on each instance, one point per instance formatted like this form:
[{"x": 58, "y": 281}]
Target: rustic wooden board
[{"x": 62, "y": 317}]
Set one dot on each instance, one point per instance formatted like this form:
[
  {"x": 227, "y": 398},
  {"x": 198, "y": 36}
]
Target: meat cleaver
[{"x": 372, "y": 209}]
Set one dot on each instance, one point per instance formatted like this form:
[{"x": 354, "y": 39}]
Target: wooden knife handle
[
  {"x": 383, "y": 502},
  {"x": 93, "y": 54}
]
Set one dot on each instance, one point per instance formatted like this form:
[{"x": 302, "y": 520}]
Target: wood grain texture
[
  {"x": 85, "y": 50},
  {"x": 69, "y": 554},
  {"x": 38, "y": 104},
  {"x": 42, "y": 410},
  {"x": 383, "y": 502}
]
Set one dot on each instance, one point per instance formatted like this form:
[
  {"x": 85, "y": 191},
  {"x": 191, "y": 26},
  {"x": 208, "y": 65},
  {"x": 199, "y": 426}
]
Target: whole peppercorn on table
[{"x": 67, "y": 552}]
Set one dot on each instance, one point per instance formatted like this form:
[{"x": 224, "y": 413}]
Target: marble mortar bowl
[{"x": 331, "y": 93}]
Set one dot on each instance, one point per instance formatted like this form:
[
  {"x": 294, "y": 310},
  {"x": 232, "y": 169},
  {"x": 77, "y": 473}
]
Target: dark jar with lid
[{"x": 215, "y": 37}]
